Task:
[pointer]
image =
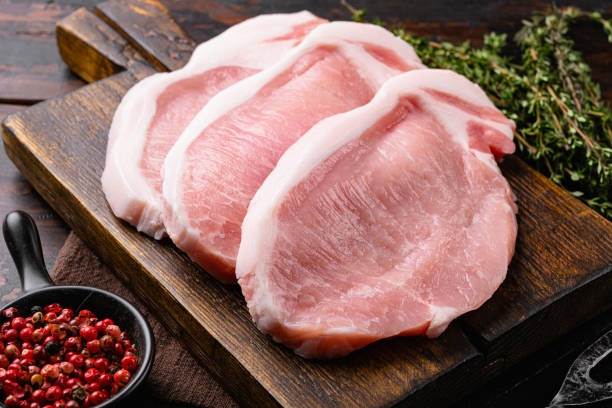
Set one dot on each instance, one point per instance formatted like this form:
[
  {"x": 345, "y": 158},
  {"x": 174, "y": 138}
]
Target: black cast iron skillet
[{"x": 23, "y": 242}]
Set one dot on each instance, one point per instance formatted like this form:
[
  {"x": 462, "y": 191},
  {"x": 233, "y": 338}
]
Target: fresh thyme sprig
[{"x": 563, "y": 125}]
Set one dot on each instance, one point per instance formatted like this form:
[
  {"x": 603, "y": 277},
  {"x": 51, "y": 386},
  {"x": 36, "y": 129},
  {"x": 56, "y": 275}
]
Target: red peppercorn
[
  {"x": 114, "y": 331},
  {"x": 130, "y": 363},
  {"x": 76, "y": 360},
  {"x": 93, "y": 346},
  {"x": 122, "y": 377},
  {"x": 117, "y": 349},
  {"x": 53, "y": 393},
  {"x": 72, "y": 404},
  {"x": 61, "y": 380},
  {"x": 23, "y": 377},
  {"x": 91, "y": 375},
  {"x": 18, "y": 323},
  {"x": 53, "y": 307},
  {"x": 66, "y": 367},
  {"x": 59, "y": 404},
  {"x": 9, "y": 385},
  {"x": 11, "y": 402},
  {"x": 94, "y": 386},
  {"x": 25, "y": 334},
  {"x": 50, "y": 372},
  {"x": 37, "y": 335},
  {"x": 50, "y": 317},
  {"x": 107, "y": 343},
  {"x": 27, "y": 354},
  {"x": 89, "y": 333},
  {"x": 11, "y": 374},
  {"x": 10, "y": 312},
  {"x": 11, "y": 351},
  {"x": 55, "y": 358},
  {"x": 98, "y": 397},
  {"x": 34, "y": 405},
  {"x": 100, "y": 327},
  {"x": 89, "y": 363},
  {"x": 77, "y": 373},
  {"x": 86, "y": 313},
  {"x": 11, "y": 335},
  {"x": 73, "y": 344},
  {"x": 63, "y": 331},
  {"x": 105, "y": 380},
  {"x": 45, "y": 386},
  {"x": 63, "y": 318},
  {"x": 114, "y": 388},
  {"x": 4, "y": 361},
  {"x": 39, "y": 352},
  {"x": 27, "y": 345},
  {"x": 101, "y": 364}
]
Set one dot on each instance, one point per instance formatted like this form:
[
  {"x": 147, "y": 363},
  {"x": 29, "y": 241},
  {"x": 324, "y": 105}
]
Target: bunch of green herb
[{"x": 563, "y": 126}]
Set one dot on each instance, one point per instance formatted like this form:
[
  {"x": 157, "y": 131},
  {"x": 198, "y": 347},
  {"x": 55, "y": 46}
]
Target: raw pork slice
[
  {"x": 153, "y": 113},
  {"x": 227, "y": 151},
  {"x": 392, "y": 219}
]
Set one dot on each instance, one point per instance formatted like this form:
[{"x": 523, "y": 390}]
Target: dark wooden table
[{"x": 31, "y": 70}]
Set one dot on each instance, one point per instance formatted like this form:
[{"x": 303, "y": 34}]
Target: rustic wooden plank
[
  {"x": 7, "y": 109},
  {"x": 47, "y": 145},
  {"x": 30, "y": 66},
  {"x": 17, "y": 193},
  {"x": 537, "y": 379},
  {"x": 560, "y": 274},
  {"x": 151, "y": 29},
  {"x": 93, "y": 50}
]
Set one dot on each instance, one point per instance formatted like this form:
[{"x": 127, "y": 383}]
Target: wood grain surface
[
  {"x": 93, "y": 50},
  {"x": 151, "y": 29},
  {"x": 17, "y": 193},
  {"x": 559, "y": 277}
]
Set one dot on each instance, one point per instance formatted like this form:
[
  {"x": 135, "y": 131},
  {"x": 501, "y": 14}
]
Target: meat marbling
[
  {"x": 155, "y": 111},
  {"x": 230, "y": 147},
  {"x": 388, "y": 220}
]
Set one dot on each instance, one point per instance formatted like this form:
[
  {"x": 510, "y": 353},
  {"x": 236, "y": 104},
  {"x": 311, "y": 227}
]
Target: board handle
[
  {"x": 23, "y": 242},
  {"x": 94, "y": 50},
  {"x": 150, "y": 28}
]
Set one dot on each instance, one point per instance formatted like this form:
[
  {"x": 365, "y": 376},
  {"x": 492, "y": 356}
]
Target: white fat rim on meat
[
  {"x": 342, "y": 34},
  {"x": 260, "y": 223},
  {"x": 122, "y": 181}
]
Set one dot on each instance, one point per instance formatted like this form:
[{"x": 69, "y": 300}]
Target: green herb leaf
[{"x": 564, "y": 129}]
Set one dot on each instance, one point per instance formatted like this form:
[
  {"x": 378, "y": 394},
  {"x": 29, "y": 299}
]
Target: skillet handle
[{"x": 23, "y": 242}]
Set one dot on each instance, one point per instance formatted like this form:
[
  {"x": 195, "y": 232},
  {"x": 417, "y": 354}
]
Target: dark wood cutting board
[{"x": 560, "y": 275}]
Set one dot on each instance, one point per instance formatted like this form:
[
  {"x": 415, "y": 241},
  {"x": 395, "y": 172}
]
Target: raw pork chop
[
  {"x": 392, "y": 219},
  {"x": 153, "y": 113},
  {"x": 227, "y": 151}
]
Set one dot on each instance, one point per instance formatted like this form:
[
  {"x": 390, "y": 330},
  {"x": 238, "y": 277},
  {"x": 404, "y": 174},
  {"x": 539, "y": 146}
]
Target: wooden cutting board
[{"x": 560, "y": 275}]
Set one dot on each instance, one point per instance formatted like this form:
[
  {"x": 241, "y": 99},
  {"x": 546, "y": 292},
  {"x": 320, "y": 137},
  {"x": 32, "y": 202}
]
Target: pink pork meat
[
  {"x": 389, "y": 220},
  {"x": 227, "y": 151},
  {"x": 153, "y": 113}
]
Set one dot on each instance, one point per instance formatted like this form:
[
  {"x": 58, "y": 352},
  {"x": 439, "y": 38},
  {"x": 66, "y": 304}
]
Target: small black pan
[{"x": 22, "y": 239}]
